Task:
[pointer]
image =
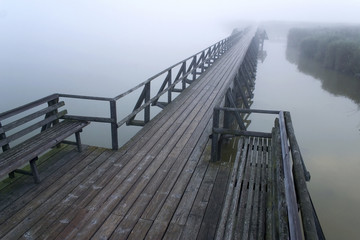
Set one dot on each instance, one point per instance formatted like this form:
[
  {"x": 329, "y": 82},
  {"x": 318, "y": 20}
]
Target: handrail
[
  {"x": 199, "y": 61},
  {"x": 175, "y": 65},
  {"x": 84, "y": 97},
  {"x": 298, "y": 176}
]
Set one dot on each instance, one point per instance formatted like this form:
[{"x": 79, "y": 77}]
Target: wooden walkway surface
[{"x": 159, "y": 185}]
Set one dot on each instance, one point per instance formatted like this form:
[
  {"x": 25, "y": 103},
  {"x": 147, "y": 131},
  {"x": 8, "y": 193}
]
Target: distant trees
[{"x": 335, "y": 48}]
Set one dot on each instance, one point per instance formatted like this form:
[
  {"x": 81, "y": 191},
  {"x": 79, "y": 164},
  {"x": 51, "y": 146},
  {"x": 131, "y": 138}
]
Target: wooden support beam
[
  {"x": 292, "y": 206},
  {"x": 215, "y": 136},
  {"x": 241, "y": 92},
  {"x": 237, "y": 115},
  {"x": 114, "y": 127}
]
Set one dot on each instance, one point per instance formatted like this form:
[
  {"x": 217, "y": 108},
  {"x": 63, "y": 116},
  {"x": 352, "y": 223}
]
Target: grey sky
[
  {"x": 83, "y": 40},
  {"x": 294, "y": 10}
]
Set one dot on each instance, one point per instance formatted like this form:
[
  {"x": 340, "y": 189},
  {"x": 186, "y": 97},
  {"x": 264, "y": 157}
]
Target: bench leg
[
  {"x": 78, "y": 141},
  {"x": 12, "y": 174},
  {"x": 34, "y": 170}
]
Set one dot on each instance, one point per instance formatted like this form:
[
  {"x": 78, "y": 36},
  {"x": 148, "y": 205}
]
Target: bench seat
[{"x": 28, "y": 150}]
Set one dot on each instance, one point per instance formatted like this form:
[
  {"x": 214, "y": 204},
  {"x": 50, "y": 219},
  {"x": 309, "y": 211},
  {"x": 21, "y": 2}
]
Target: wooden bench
[
  {"x": 244, "y": 210},
  {"x": 30, "y": 130}
]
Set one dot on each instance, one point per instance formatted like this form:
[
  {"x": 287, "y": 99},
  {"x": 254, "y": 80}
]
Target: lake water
[
  {"x": 325, "y": 108},
  {"x": 96, "y": 52}
]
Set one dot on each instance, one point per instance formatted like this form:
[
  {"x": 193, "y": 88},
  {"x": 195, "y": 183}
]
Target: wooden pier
[{"x": 162, "y": 183}]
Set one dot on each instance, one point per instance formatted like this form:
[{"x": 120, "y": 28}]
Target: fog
[
  {"x": 105, "y": 47},
  {"x": 45, "y": 44}
]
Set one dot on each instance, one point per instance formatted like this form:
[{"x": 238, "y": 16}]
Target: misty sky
[
  {"x": 294, "y": 10},
  {"x": 87, "y": 40},
  {"x": 194, "y": 11}
]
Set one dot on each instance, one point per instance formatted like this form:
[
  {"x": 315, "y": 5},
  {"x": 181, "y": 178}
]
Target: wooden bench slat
[
  {"x": 32, "y": 116},
  {"x": 31, "y": 128},
  {"x": 38, "y": 139},
  {"x": 31, "y": 143},
  {"x": 21, "y": 154},
  {"x": 28, "y": 106}
]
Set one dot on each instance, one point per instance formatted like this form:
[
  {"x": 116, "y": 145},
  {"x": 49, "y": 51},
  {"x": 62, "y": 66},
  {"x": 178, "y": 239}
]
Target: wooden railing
[
  {"x": 297, "y": 196},
  {"x": 182, "y": 73},
  {"x": 174, "y": 79}
]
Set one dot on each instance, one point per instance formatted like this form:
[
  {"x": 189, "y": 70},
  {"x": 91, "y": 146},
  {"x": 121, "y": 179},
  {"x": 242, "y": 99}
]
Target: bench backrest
[{"x": 25, "y": 121}]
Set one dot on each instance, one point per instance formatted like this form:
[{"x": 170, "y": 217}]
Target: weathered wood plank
[
  {"x": 213, "y": 210},
  {"x": 62, "y": 212},
  {"x": 28, "y": 106},
  {"x": 32, "y": 116},
  {"x": 263, "y": 189},
  {"x": 251, "y": 184},
  {"x": 254, "y": 227},
  {"x": 160, "y": 168},
  {"x": 36, "y": 145},
  {"x": 13, "y": 189},
  {"x": 8, "y": 229}
]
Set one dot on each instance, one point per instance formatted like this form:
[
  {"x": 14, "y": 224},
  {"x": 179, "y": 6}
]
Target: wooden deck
[{"x": 159, "y": 185}]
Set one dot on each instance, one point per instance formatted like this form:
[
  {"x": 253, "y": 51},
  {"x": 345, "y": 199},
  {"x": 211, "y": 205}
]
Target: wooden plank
[
  {"x": 138, "y": 153},
  {"x": 193, "y": 222},
  {"x": 35, "y": 146},
  {"x": 94, "y": 191},
  {"x": 291, "y": 201},
  {"x": 32, "y": 116},
  {"x": 39, "y": 141},
  {"x": 110, "y": 205},
  {"x": 270, "y": 196},
  {"x": 281, "y": 209},
  {"x": 140, "y": 230},
  {"x": 263, "y": 189},
  {"x": 31, "y": 128},
  {"x": 169, "y": 181},
  {"x": 228, "y": 216},
  {"x": 108, "y": 227},
  {"x": 213, "y": 209},
  {"x": 28, "y": 106},
  {"x": 254, "y": 227},
  {"x": 22, "y": 187},
  {"x": 33, "y": 206},
  {"x": 250, "y": 197},
  {"x": 64, "y": 210},
  {"x": 244, "y": 192}
]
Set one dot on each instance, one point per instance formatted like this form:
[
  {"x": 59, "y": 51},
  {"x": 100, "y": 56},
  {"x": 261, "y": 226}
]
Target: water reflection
[{"x": 333, "y": 82}]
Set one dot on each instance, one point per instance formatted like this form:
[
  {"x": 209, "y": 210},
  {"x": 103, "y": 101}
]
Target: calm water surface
[{"x": 326, "y": 117}]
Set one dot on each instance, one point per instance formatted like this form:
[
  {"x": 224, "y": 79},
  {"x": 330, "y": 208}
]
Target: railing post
[
  {"x": 215, "y": 136},
  {"x": 194, "y": 68},
  {"x": 114, "y": 127},
  {"x": 227, "y": 115},
  {"x": 169, "y": 84},
  {"x": 147, "y": 99},
  {"x": 183, "y": 66}
]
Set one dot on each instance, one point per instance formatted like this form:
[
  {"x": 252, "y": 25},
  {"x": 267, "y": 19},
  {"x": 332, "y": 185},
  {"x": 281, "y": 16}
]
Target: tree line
[{"x": 336, "y": 48}]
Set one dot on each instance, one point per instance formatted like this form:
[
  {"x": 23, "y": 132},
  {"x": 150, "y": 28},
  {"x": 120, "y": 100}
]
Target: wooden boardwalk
[{"x": 159, "y": 185}]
